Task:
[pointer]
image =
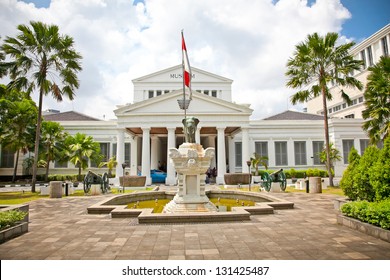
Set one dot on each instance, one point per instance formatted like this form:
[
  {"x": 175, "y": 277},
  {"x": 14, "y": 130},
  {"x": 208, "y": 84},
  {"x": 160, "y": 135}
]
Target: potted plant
[
  {"x": 257, "y": 160},
  {"x": 111, "y": 164}
]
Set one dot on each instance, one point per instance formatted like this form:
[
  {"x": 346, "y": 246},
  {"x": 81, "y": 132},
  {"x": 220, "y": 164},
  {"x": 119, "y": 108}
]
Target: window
[
  {"x": 206, "y": 92},
  {"x": 238, "y": 154},
  {"x": 214, "y": 93},
  {"x": 363, "y": 145},
  {"x": 58, "y": 164},
  {"x": 114, "y": 150},
  {"x": 363, "y": 58},
  {"x": 166, "y": 91},
  {"x": 127, "y": 153},
  {"x": 317, "y": 149},
  {"x": 347, "y": 146},
  {"x": 344, "y": 105},
  {"x": 281, "y": 153},
  {"x": 7, "y": 158},
  {"x": 361, "y": 99},
  {"x": 385, "y": 47},
  {"x": 158, "y": 92},
  {"x": 300, "y": 152},
  {"x": 351, "y": 116},
  {"x": 261, "y": 148},
  {"x": 151, "y": 93},
  {"x": 370, "y": 59}
]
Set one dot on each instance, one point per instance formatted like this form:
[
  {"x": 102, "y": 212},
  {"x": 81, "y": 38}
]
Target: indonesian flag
[{"x": 187, "y": 74}]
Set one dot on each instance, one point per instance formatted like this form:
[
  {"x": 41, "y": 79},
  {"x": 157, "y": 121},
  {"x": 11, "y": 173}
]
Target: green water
[{"x": 158, "y": 205}]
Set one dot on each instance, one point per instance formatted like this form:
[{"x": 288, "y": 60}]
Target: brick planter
[
  {"x": 20, "y": 228},
  {"x": 12, "y": 232},
  {"x": 364, "y": 227}
]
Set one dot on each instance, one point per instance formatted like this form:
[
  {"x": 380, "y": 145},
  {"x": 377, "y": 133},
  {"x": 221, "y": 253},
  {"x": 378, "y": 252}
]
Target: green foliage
[
  {"x": 375, "y": 213},
  {"x": 348, "y": 180},
  {"x": 111, "y": 164},
  {"x": 10, "y": 218},
  {"x": 380, "y": 179},
  {"x": 362, "y": 173},
  {"x": 376, "y": 96},
  {"x": 334, "y": 155}
]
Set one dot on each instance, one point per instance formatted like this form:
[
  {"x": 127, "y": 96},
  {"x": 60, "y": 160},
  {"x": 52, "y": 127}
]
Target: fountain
[
  {"x": 191, "y": 162},
  {"x": 191, "y": 202}
]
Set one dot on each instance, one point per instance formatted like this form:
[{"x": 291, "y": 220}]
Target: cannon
[
  {"x": 93, "y": 178},
  {"x": 277, "y": 176}
]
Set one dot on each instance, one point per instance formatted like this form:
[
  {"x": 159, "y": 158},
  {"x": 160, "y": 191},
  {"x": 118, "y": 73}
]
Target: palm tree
[
  {"x": 316, "y": 62},
  {"x": 257, "y": 160},
  {"x": 111, "y": 164},
  {"x": 377, "y": 101},
  {"x": 334, "y": 156},
  {"x": 52, "y": 136},
  {"x": 15, "y": 132},
  {"x": 81, "y": 149},
  {"x": 40, "y": 58}
]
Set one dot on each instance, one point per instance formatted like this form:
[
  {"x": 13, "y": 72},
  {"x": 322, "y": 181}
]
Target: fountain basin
[{"x": 117, "y": 207}]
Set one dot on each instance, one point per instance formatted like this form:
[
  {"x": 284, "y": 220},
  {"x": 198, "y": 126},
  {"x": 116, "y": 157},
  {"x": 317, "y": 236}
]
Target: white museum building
[{"x": 146, "y": 128}]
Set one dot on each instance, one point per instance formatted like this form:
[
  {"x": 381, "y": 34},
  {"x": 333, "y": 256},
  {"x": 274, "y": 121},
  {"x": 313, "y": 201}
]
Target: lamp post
[
  {"x": 248, "y": 162},
  {"x": 124, "y": 167}
]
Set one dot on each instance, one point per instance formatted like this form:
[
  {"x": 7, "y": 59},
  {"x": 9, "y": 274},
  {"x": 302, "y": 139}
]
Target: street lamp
[
  {"x": 124, "y": 167},
  {"x": 248, "y": 162}
]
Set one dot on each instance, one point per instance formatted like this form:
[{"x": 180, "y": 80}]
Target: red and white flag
[{"x": 187, "y": 74}]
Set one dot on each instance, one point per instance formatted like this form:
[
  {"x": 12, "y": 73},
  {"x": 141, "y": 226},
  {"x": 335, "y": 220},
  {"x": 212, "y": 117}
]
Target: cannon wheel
[
  {"x": 283, "y": 181},
  {"x": 266, "y": 181},
  {"x": 87, "y": 182},
  {"x": 105, "y": 183}
]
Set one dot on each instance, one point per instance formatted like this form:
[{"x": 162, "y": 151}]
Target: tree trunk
[
  {"x": 16, "y": 167},
  {"x": 79, "y": 178},
  {"x": 327, "y": 145},
  {"x": 36, "y": 148},
  {"x": 47, "y": 165}
]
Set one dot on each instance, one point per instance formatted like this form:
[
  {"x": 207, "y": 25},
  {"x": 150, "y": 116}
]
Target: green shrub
[
  {"x": 375, "y": 213},
  {"x": 348, "y": 180},
  {"x": 380, "y": 178},
  {"x": 10, "y": 218},
  {"x": 362, "y": 186}
]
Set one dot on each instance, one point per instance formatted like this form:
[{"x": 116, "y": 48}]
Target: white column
[
  {"x": 290, "y": 152},
  {"x": 146, "y": 154},
  {"x": 197, "y": 135},
  {"x": 309, "y": 153},
  {"x": 120, "y": 152},
  {"x": 134, "y": 156},
  {"x": 171, "y": 173},
  {"x": 245, "y": 149},
  {"x": 221, "y": 165},
  {"x": 211, "y": 142},
  {"x": 154, "y": 152},
  {"x": 271, "y": 154}
]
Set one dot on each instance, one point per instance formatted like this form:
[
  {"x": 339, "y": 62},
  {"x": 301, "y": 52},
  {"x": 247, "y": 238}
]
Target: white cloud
[{"x": 247, "y": 41}]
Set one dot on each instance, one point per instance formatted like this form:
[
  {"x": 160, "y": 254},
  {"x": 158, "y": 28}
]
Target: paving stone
[{"x": 62, "y": 229}]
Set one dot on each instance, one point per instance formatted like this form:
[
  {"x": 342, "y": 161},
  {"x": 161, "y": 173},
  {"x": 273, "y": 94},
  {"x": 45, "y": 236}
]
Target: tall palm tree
[
  {"x": 377, "y": 101},
  {"x": 52, "y": 136},
  {"x": 81, "y": 149},
  {"x": 316, "y": 62},
  {"x": 41, "y": 59}
]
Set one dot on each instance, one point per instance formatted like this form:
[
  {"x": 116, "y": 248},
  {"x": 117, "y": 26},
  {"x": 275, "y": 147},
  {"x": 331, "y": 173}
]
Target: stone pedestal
[
  {"x": 96, "y": 189},
  {"x": 191, "y": 162},
  {"x": 315, "y": 185},
  {"x": 55, "y": 189},
  {"x": 275, "y": 187}
]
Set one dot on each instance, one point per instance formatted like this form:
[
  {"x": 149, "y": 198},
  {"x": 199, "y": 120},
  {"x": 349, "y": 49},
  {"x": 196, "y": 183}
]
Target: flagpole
[{"x": 182, "y": 73}]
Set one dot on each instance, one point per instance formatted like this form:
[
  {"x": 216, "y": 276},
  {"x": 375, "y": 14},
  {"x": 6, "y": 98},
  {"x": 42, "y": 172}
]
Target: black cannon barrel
[{"x": 277, "y": 172}]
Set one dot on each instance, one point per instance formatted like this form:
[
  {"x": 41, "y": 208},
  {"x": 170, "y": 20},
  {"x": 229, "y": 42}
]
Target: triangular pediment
[
  {"x": 167, "y": 104},
  {"x": 173, "y": 74}
]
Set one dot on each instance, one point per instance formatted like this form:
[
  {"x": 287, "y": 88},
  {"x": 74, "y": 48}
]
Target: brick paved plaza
[{"x": 62, "y": 229}]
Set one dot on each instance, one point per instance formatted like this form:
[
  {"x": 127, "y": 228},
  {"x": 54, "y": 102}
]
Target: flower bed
[{"x": 13, "y": 221}]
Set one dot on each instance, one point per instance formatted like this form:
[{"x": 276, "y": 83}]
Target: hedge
[{"x": 375, "y": 213}]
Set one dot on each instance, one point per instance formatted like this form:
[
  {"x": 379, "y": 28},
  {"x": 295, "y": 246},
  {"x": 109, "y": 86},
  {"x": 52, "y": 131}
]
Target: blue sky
[
  {"x": 248, "y": 41},
  {"x": 368, "y": 16}
]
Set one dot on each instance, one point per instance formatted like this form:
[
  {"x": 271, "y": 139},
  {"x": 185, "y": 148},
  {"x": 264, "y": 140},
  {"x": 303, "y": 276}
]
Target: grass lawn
[
  {"x": 329, "y": 190},
  {"x": 21, "y": 197}
]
